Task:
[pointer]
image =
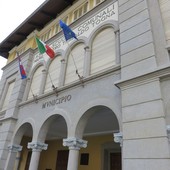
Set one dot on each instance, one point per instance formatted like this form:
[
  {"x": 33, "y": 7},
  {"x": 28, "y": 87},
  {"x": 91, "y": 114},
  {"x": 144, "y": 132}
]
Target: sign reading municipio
[{"x": 57, "y": 101}]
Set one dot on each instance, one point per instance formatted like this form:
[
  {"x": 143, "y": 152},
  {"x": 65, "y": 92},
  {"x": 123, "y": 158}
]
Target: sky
[{"x": 12, "y": 14}]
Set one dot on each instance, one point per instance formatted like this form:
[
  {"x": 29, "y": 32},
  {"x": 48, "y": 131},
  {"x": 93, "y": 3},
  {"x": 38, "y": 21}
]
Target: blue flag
[{"x": 68, "y": 33}]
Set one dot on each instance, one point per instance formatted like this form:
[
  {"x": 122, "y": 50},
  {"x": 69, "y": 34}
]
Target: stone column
[
  {"x": 74, "y": 145},
  {"x": 168, "y": 132},
  {"x": 27, "y": 88},
  {"x": 13, "y": 150},
  {"x": 44, "y": 76},
  {"x": 36, "y": 147},
  {"x": 87, "y": 61}
]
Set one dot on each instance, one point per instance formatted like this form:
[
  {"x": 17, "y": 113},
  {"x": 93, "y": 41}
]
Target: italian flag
[{"x": 44, "y": 48}]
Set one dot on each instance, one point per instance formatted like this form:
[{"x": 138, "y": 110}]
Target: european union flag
[{"x": 68, "y": 33}]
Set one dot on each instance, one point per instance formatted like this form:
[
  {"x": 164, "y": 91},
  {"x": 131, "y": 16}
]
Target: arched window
[
  {"x": 103, "y": 50},
  {"x": 165, "y": 10},
  {"x": 8, "y": 95},
  {"x": 53, "y": 74},
  {"x": 36, "y": 82},
  {"x": 77, "y": 56}
]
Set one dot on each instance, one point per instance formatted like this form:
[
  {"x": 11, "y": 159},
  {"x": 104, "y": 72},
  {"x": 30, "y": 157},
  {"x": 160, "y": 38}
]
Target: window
[
  {"x": 103, "y": 51},
  {"x": 36, "y": 82},
  {"x": 8, "y": 95},
  {"x": 53, "y": 74},
  {"x": 75, "y": 59},
  {"x": 165, "y": 10},
  {"x": 80, "y": 11}
]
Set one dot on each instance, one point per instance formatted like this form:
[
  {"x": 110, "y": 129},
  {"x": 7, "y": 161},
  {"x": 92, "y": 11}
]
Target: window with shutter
[
  {"x": 8, "y": 95},
  {"x": 53, "y": 74},
  {"x": 77, "y": 54},
  {"x": 36, "y": 82},
  {"x": 103, "y": 51},
  {"x": 165, "y": 10}
]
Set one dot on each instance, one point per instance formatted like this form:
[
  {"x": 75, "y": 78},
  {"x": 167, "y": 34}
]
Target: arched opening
[
  {"x": 22, "y": 138},
  {"x": 52, "y": 132},
  {"x": 97, "y": 126}
]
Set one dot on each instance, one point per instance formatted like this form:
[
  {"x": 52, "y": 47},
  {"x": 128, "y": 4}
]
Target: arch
[
  {"x": 84, "y": 115},
  {"x": 106, "y": 24},
  {"x": 48, "y": 120},
  {"x": 70, "y": 46},
  {"x": 41, "y": 63},
  {"x": 22, "y": 129},
  {"x": 59, "y": 52}
]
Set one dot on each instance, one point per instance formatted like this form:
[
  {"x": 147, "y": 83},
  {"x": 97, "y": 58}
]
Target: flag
[
  {"x": 21, "y": 68},
  {"x": 68, "y": 33},
  {"x": 42, "y": 47}
]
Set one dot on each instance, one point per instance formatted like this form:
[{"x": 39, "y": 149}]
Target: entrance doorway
[
  {"x": 115, "y": 161},
  {"x": 62, "y": 160}
]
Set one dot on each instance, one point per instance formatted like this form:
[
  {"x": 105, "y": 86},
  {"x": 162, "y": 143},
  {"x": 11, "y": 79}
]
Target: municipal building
[{"x": 103, "y": 101}]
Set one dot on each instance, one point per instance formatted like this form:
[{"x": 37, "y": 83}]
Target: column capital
[
  {"x": 14, "y": 148},
  {"x": 118, "y": 138},
  {"x": 87, "y": 48},
  {"x": 168, "y": 132},
  {"x": 74, "y": 143},
  {"x": 37, "y": 146}
]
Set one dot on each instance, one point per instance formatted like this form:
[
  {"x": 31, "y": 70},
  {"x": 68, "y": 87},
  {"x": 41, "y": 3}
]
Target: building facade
[{"x": 103, "y": 102}]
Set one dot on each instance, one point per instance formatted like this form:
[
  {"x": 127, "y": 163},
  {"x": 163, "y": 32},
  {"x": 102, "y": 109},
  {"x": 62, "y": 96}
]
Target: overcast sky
[{"x": 12, "y": 14}]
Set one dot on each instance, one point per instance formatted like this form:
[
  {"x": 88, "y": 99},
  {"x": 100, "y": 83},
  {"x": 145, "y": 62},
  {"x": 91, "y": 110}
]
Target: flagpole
[
  {"x": 53, "y": 87},
  {"x": 68, "y": 34},
  {"x": 34, "y": 96}
]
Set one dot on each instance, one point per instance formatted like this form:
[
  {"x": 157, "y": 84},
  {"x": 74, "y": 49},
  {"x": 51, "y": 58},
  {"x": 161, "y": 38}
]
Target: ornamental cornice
[
  {"x": 155, "y": 75},
  {"x": 74, "y": 143}
]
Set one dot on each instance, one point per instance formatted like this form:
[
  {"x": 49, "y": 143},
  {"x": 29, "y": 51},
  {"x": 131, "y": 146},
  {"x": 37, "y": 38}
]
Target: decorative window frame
[
  {"x": 29, "y": 81},
  {"x": 8, "y": 81},
  {"x": 105, "y": 25}
]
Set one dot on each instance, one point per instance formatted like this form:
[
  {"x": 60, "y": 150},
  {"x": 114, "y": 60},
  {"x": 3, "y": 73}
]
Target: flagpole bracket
[
  {"x": 35, "y": 98},
  {"x": 55, "y": 90},
  {"x": 63, "y": 61},
  {"x": 80, "y": 78}
]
